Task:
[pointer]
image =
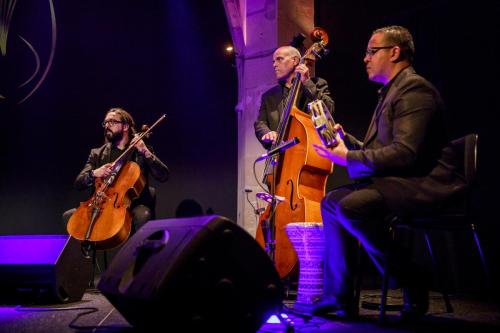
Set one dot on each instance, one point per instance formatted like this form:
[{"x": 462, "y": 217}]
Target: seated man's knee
[
  {"x": 363, "y": 204},
  {"x": 344, "y": 210},
  {"x": 339, "y": 209},
  {"x": 142, "y": 214},
  {"x": 329, "y": 201},
  {"x": 66, "y": 216},
  {"x": 333, "y": 201}
]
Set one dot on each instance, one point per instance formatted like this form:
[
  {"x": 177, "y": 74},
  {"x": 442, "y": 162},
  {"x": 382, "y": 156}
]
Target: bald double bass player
[
  {"x": 286, "y": 64},
  {"x": 298, "y": 176},
  {"x": 119, "y": 132}
]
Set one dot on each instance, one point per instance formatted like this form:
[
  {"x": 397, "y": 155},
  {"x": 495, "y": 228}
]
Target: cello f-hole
[
  {"x": 292, "y": 206},
  {"x": 116, "y": 200}
]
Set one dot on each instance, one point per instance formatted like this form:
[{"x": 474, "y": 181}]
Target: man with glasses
[
  {"x": 397, "y": 169},
  {"x": 119, "y": 131},
  {"x": 286, "y": 63}
]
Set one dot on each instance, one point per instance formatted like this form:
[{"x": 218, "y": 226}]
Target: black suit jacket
[
  {"x": 102, "y": 155},
  {"x": 269, "y": 115},
  {"x": 404, "y": 152}
]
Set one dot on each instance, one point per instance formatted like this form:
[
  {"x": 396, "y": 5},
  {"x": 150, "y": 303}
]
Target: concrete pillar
[{"x": 257, "y": 28}]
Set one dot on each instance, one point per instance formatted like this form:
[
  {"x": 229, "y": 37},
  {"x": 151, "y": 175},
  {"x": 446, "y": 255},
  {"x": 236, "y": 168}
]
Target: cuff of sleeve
[
  {"x": 90, "y": 177},
  {"x": 356, "y": 167}
]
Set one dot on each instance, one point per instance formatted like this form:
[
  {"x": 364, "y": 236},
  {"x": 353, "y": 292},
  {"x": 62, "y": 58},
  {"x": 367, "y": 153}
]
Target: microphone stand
[{"x": 268, "y": 225}]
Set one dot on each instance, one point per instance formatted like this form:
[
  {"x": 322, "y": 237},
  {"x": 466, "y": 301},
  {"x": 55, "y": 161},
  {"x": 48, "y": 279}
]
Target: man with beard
[{"x": 119, "y": 131}]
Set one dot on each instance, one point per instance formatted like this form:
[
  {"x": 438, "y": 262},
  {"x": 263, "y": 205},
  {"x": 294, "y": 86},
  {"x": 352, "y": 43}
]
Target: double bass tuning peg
[
  {"x": 323, "y": 51},
  {"x": 319, "y": 35}
]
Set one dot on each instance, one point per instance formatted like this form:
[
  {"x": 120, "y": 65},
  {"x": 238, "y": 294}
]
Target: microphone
[{"x": 281, "y": 148}]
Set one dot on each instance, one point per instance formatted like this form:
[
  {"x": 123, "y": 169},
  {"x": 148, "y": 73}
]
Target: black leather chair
[{"x": 454, "y": 215}]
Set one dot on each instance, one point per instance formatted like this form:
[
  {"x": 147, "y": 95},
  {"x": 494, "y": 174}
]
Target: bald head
[
  {"x": 285, "y": 59},
  {"x": 289, "y": 51}
]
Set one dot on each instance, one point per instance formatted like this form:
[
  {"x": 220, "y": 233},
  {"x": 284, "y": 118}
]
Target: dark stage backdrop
[
  {"x": 457, "y": 48},
  {"x": 62, "y": 67}
]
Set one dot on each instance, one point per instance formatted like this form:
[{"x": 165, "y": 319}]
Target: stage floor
[{"x": 95, "y": 314}]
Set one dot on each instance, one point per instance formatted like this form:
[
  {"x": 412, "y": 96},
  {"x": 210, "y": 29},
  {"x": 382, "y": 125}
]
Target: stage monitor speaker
[
  {"x": 195, "y": 274},
  {"x": 42, "y": 269}
]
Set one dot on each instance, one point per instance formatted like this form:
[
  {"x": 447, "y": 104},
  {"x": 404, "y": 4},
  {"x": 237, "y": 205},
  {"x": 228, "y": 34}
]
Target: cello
[
  {"x": 297, "y": 176},
  {"x": 105, "y": 221}
]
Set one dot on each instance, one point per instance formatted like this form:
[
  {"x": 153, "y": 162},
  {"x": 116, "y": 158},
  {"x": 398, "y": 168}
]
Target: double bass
[
  {"x": 297, "y": 176},
  {"x": 104, "y": 221}
]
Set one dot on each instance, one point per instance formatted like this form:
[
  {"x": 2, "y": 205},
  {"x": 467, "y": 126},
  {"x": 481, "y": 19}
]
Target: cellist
[
  {"x": 119, "y": 132},
  {"x": 286, "y": 64}
]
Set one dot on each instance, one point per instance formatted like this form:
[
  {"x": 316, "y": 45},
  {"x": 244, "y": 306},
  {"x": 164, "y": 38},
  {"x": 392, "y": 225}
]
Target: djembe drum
[{"x": 308, "y": 241}]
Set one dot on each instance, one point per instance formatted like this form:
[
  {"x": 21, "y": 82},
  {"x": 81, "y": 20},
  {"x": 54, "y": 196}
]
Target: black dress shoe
[
  {"x": 415, "y": 303},
  {"x": 326, "y": 306}
]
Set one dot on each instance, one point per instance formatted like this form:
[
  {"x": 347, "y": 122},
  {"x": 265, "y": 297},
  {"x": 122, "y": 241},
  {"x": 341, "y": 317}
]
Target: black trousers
[{"x": 351, "y": 214}]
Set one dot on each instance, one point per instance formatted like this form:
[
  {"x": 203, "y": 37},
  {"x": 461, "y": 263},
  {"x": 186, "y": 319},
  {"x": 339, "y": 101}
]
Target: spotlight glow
[{"x": 273, "y": 320}]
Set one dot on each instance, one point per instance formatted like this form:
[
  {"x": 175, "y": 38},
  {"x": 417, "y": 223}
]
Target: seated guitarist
[{"x": 400, "y": 167}]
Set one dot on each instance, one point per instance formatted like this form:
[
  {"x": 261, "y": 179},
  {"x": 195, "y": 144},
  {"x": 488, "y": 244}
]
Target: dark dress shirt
[
  {"x": 270, "y": 108},
  {"x": 102, "y": 155}
]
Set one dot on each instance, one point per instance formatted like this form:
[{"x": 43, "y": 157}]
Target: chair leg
[
  {"x": 105, "y": 255},
  {"x": 94, "y": 263},
  {"x": 385, "y": 278},
  {"x": 444, "y": 290},
  {"x": 359, "y": 278},
  {"x": 481, "y": 254},
  {"x": 383, "y": 297}
]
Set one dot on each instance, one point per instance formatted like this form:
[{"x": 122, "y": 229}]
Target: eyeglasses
[
  {"x": 372, "y": 50},
  {"x": 111, "y": 122}
]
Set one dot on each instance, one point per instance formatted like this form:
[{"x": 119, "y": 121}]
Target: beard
[{"x": 112, "y": 137}]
